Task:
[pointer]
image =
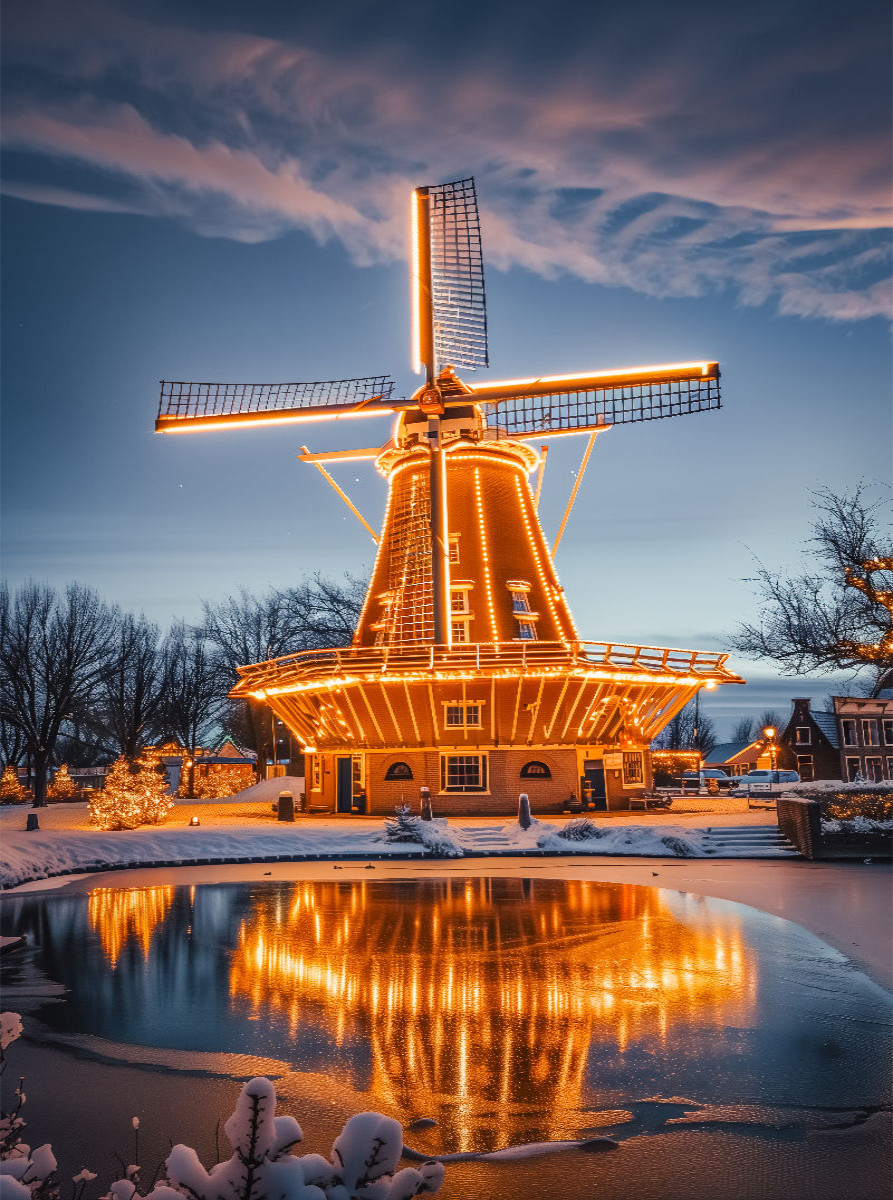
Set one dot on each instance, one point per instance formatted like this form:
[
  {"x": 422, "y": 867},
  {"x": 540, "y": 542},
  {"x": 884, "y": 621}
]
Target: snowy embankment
[{"x": 41, "y": 854}]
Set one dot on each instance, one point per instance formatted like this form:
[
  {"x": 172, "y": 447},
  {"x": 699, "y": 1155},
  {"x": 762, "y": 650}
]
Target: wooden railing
[{"x": 485, "y": 657}]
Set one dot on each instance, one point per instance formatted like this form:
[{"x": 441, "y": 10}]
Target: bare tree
[
  {"x": 130, "y": 695},
  {"x": 690, "y": 729},
  {"x": 744, "y": 730},
  {"x": 327, "y": 611},
  {"x": 12, "y": 744},
  {"x": 54, "y": 652},
  {"x": 839, "y": 616},
  {"x": 248, "y": 629},
  {"x": 193, "y": 694}
]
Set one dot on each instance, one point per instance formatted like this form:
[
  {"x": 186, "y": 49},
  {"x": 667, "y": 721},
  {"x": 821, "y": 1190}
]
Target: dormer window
[{"x": 525, "y": 628}]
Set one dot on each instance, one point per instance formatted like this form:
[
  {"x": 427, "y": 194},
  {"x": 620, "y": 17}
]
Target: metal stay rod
[
  {"x": 576, "y": 488},
  {"x": 353, "y": 508}
]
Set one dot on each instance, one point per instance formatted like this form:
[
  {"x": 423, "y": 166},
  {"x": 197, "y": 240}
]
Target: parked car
[
  {"x": 708, "y": 780},
  {"x": 762, "y": 781}
]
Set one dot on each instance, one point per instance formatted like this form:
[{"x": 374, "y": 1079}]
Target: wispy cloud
[{"x": 671, "y": 180}]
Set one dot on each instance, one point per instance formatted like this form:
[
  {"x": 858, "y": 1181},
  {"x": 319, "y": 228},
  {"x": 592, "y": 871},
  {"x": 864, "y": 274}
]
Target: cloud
[{"x": 675, "y": 179}]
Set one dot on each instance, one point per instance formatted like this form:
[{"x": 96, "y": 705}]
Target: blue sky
[{"x": 220, "y": 192}]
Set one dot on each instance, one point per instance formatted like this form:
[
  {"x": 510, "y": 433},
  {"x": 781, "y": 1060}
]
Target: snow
[
  {"x": 249, "y": 832},
  {"x": 837, "y": 785}
]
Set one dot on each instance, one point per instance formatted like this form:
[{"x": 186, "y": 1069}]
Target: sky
[{"x": 220, "y": 192}]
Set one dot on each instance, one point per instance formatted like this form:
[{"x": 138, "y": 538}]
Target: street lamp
[{"x": 769, "y": 733}]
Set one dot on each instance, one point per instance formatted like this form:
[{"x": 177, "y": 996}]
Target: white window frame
[
  {"x": 315, "y": 773},
  {"x": 870, "y": 735},
  {"x": 806, "y": 762},
  {"x": 853, "y": 768},
  {"x": 799, "y": 739},
  {"x": 874, "y": 768},
  {"x": 463, "y": 709},
  {"x": 887, "y": 726},
  {"x": 847, "y": 725},
  {"x": 633, "y": 758},
  {"x": 459, "y": 631},
  {"x": 481, "y": 788}
]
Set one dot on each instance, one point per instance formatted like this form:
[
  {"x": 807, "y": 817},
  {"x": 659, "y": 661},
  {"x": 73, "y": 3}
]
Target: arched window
[
  {"x": 398, "y": 770},
  {"x": 535, "y": 770}
]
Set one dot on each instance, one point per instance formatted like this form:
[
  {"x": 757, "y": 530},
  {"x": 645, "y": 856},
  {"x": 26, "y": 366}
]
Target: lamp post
[{"x": 769, "y": 733}]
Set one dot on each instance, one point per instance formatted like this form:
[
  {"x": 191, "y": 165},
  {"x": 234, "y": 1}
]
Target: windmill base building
[
  {"x": 514, "y": 701},
  {"x": 466, "y": 674}
]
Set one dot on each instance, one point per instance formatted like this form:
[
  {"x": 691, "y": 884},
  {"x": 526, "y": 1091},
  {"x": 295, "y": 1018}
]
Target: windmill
[{"x": 466, "y": 668}]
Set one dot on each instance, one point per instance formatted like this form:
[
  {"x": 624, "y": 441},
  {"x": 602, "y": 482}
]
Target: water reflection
[
  {"x": 508, "y": 1010},
  {"x": 482, "y": 1000},
  {"x": 118, "y": 915}
]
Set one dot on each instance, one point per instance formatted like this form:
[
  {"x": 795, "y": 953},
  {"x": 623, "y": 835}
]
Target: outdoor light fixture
[
  {"x": 769, "y": 733},
  {"x": 195, "y": 821}
]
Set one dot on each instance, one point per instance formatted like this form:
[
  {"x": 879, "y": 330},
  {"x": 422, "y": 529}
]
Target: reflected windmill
[
  {"x": 466, "y": 671},
  {"x": 486, "y": 1003}
]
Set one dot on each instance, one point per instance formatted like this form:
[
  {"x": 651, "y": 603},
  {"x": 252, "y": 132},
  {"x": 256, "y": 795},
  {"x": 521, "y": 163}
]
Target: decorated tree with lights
[
  {"x": 219, "y": 783},
  {"x": 11, "y": 791},
  {"x": 134, "y": 794},
  {"x": 63, "y": 786},
  {"x": 838, "y": 616}
]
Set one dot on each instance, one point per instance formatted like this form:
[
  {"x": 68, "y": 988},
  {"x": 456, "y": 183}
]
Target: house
[
  {"x": 737, "y": 758},
  {"x": 865, "y": 727},
  {"x": 853, "y": 740},
  {"x": 810, "y": 742}
]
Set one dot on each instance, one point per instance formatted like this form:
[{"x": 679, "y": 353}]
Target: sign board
[{"x": 613, "y": 762}]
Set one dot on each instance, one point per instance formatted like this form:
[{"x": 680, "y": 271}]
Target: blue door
[
  {"x": 594, "y": 786},
  {"x": 345, "y": 784}
]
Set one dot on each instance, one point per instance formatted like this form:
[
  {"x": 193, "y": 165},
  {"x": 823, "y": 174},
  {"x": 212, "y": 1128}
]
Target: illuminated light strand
[
  {"x": 415, "y": 287},
  {"x": 231, "y": 420},
  {"x": 544, "y": 583},
  {"x": 487, "y": 581},
  {"x": 584, "y": 376}
]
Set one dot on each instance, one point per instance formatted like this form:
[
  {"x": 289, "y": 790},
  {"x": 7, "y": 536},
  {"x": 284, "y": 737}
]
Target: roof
[
  {"x": 728, "y": 750},
  {"x": 827, "y": 723}
]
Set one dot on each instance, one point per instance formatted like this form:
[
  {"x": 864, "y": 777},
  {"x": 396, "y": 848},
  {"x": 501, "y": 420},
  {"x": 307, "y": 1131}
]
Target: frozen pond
[{"x": 507, "y": 1010}]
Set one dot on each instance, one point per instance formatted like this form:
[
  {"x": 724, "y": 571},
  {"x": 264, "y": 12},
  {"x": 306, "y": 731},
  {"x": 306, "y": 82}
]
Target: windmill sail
[
  {"x": 576, "y": 403},
  {"x": 187, "y": 406},
  {"x": 457, "y": 276}
]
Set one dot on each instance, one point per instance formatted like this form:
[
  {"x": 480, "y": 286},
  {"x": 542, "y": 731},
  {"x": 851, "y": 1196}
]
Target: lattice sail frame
[
  {"x": 202, "y": 404},
  {"x": 576, "y": 411},
  {"x": 458, "y": 295}
]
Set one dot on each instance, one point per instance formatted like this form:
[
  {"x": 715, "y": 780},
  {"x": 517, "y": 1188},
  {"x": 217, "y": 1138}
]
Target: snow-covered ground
[{"x": 244, "y": 828}]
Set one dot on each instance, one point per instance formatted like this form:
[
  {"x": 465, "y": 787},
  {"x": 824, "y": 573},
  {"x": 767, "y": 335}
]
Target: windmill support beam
[
  {"x": 353, "y": 508},
  {"x": 576, "y": 488}
]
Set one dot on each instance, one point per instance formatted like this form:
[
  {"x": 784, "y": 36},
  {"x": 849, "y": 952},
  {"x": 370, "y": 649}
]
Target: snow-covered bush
[
  {"x": 403, "y": 826},
  {"x": 363, "y": 1164},
  {"x": 435, "y": 835},
  {"x": 581, "y": 829}
]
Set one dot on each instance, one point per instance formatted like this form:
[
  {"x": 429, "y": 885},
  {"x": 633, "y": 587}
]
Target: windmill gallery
[{"x": 466, "y": 673}]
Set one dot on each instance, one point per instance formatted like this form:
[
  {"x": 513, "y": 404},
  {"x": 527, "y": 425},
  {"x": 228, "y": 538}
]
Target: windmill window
[
  {"x": 520, "y": 602},
  {"x": 463, "y": 772},
  {"x": 454, "y": 547},
  {"x": 398, "y": 770},
  {"x": 632, "y": 769},
  {"x": 459, "y": 600},
  {"x": 459, "y": 631},
  {"x": 526, "y": 631},
  {"x": 535, "y": 770},
  {"x": 463, "y": 716}
]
